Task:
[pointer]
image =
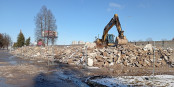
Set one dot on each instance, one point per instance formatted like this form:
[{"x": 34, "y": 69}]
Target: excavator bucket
[{"x": 120, "y": 41}]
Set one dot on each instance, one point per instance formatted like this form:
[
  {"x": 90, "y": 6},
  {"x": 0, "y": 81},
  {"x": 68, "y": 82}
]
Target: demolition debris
[{"x": 124, "y": 55}]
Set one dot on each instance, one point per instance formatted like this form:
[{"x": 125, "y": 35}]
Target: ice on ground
[
  {"x": 93, "y": 67},
  {"x": 110, "y": 82},
  {"x": 124, "y": 81}
]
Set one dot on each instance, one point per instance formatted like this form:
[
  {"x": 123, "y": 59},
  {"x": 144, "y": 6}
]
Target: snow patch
[{"x": 124, "y": 81}]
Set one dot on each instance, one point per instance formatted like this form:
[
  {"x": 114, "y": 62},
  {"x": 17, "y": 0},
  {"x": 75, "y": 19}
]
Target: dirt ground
[{"x": 17, "y": 72}]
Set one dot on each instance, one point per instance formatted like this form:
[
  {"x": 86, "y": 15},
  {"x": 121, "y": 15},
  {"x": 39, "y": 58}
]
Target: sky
[{"x": 83, "y": 20}]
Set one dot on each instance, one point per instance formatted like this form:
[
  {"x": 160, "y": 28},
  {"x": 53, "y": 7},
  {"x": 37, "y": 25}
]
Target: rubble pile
[
  {"x": 125, "y": 55},
  {"x": 131, "y": 55},
  {"x": 32, "y": 52},
  {"x": 43, "y": 53}
]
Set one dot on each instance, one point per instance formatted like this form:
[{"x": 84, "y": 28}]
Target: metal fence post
[
  {"x": 48, "y": 57},
  {"x": 52, "y": 55},
  {"x": 163, "y": 43},
  {"x": 86, "y": 56},
  {"x": 21, "y": 51},
  {"x": 153, "y": 62}
]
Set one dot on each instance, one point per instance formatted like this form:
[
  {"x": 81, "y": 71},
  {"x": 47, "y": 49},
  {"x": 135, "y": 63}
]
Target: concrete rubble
[{"x": 125, "y": 55}]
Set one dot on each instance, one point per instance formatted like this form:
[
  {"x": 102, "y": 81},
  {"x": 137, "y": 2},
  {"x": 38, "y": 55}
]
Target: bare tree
[
  {"x": 1, "y": 40},
  {"x": 5, "y": 40},
  {"x": 140, "y": 40},
  {"x": 45, "y": 21},
  {"x": 164, "y": 39},
  {"x": 39, "y": 27},
  {"x": 134, "y": 41},
  {"x": 149, "y": 39},
  {"x": 51, "y": 26}
]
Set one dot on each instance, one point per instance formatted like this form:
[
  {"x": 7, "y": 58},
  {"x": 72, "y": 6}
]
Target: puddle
[
  {"x": 58, "y": 79},
  {"x": 13, "y": 62},
  {"x": 68, "y": 76},
  {"x": 11, "y": 57},
  {"x": 110, "y": 82},
  {"x": 3, "y": 83}
]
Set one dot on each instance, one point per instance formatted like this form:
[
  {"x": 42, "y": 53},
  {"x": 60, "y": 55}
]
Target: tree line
[
  {"x": 21, "y": 41},
  {"x": 5, "y": 40}
]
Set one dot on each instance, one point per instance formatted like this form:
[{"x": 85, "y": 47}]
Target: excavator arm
[
  {"x": 107, "y": 28},
  {"x": 114, "y": 21}
]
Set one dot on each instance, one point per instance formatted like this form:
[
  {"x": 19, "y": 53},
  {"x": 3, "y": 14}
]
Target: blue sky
[{"x": 82, "y": 20}]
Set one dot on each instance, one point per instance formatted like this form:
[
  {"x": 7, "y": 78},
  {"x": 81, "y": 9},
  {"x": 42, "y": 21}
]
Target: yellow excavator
[{"x": 108, "y": 39}]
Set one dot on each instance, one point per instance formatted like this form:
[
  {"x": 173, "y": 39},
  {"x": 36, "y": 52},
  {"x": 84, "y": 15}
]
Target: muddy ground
[{"x": 19, "y": 72}]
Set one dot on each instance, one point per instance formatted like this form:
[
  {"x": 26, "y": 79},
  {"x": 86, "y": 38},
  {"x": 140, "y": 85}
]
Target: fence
[{"x": 163, "y": 44}]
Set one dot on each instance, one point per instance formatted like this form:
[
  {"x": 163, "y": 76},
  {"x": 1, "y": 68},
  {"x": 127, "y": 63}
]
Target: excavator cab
[{"x": 110, "y": 39}]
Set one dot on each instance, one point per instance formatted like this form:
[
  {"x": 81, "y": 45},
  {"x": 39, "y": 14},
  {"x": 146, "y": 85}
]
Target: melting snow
[{"x": 124, "y": 81}]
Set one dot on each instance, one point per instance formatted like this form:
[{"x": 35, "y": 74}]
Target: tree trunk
[{"x": 47, "y": 40}]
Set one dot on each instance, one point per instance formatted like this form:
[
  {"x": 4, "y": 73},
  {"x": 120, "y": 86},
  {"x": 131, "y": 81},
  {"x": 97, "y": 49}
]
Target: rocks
[
  {"x": 148, "y": 47},
  {"x": 38, "y": 54},
  {"x": 67, "y": 51},
  {"x": 126, "y": 55},
  {"x": 99, "y": 58},
  {"x": 171, "y": 58},
  {"x": 90, "y": 45},
  {"x": 119, "y": 58},
  {"x": 70, "y": 61},
  {"x": 105, "y": 53},
  {"x": 90, "y": 62}
]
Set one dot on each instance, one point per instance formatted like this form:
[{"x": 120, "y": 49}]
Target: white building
[
  {"x": 81, "y": 42},
  {"x": 74, "y": 42}
]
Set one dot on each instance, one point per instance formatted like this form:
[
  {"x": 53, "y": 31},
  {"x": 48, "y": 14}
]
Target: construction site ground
[{"x": 19, "y": 72}]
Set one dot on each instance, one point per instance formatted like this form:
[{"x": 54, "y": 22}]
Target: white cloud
[
  {"x": 115, "y": 5},
  {"x": 112, "y": 6}
]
